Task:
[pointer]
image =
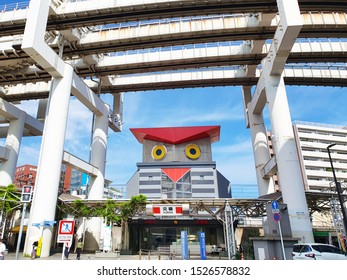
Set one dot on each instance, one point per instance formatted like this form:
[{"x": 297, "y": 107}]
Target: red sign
[{"x": 66, "y": 227}]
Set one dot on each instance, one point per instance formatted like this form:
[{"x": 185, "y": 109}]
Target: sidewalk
[
  {"x": 102, "y": 256},
  {"x": 72, "y": 256}
]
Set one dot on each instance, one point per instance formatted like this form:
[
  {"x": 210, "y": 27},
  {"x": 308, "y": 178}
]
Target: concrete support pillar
[
  {"x": 49, "y": 165},
  {"x": 13, "y": 141},
  {"x": 259, "y": 143},
  {"x": 96, "y": 191},
  {"x": 98, "y": 154},
  {"x": 261, "y": 152},
  {"x": 289, "y": 173}
]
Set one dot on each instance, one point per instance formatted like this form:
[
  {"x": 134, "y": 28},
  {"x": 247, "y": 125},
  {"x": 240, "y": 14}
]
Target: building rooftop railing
[
  {"x": 320, "y": 124},
  {"x": 14, "y": 6}
]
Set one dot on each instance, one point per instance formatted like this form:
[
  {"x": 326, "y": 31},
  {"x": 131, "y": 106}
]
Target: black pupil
[
  {"x": 192, "y": 151},
  {"x": 158, "y": 152}
]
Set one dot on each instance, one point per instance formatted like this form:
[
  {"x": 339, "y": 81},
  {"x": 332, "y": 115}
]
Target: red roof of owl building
[{"x": 177, "y": 135}]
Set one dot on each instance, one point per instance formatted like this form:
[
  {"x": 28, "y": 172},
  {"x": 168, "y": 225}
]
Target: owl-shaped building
[
  {"x": 177, "y": 167},
  {"x": 177, "y": 163}
]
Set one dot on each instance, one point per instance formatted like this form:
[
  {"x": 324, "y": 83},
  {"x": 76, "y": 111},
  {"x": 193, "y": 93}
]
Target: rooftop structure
[{"x": 177, "y": 163}]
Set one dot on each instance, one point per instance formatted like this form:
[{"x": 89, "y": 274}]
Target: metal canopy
[{"x": 255, "y": 207}]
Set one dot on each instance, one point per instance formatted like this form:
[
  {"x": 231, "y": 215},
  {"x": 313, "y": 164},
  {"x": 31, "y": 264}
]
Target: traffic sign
[
  {"x": 277, "y": 217},
  {"x": 274, "y": 205},
  {"x": 65, "y": 231},
  {"x": 66, "y": 227},
  {"x": 49, "y": 223}
]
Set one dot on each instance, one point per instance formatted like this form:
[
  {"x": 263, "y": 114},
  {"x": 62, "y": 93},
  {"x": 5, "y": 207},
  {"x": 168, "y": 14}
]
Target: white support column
[
  {"x": 49, "y": 166},
  {"x": 289, "y": 172},
  {"x": 271, "y": 90},
  {"x": 96, "y": 191},
  {"x": 259, "y": 143},
  {"x": 261, "y": 152},
  {"x": 65, "y": 82},
  {"x": 98, "y": 154},
  {"x": 13, "y": 141}
]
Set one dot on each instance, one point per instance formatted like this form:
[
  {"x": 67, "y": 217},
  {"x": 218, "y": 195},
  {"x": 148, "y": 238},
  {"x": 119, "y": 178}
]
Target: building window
[{"x": 180, "y": 189}]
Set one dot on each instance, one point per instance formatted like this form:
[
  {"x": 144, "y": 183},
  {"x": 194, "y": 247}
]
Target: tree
[
  {"x": 9, "y": 202},
  {"x": 111, "y": 211}
]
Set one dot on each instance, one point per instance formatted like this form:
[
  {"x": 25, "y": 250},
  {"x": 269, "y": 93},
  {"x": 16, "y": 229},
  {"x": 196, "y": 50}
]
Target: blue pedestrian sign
[{"x": 274, "y": 205}]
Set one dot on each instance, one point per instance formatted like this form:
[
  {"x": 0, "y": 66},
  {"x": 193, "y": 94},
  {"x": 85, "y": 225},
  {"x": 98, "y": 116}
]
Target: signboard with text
[
  {"x": 184, "y": 245},
  {"x": 167, "y": 209},
  {"x": 202, "y": 241}
]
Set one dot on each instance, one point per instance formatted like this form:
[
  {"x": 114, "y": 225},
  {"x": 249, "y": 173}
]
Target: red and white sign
[
  {"x": 66, "y": 227},
  {"x": 65, "y": 231},
  {"x": 167, "y": 210}
]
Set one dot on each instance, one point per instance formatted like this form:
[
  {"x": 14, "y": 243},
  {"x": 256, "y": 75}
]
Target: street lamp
[{"x": 338, "y": 190}]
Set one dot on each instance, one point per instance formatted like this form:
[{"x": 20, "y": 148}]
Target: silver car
[{"x": 317, "y": 251}]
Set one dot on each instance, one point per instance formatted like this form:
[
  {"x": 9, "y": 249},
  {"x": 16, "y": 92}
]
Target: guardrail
[
  {"x": 14, "y": 6},
  {"x": 160, "y": 253}
]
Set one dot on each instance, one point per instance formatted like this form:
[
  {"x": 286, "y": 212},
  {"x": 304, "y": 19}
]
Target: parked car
[
  {"x": 317, "y": 251},
  {"x": 217, "y": 249}
]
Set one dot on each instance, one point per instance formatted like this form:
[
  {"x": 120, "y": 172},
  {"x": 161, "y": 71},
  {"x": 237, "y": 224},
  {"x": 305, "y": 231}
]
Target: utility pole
[
  {"x": 25, "y": 198},
  {"x": 338, "y": 190}
]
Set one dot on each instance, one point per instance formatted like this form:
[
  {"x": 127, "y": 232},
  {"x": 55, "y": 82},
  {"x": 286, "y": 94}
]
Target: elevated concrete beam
[
  {"x": 84, "y": 94},
  {"x": 26, "y": 132},
  {"x": 34, "y": 126},
  {"x": 33, "y": 40},
  {"x": 8, "y": 110},
  {"x": 270, "y": 168},
  {"x": 284, "y": 39},
  {"x": 79, "y": 164},
  {"x": 259, "y": 99},
  {"x": 285, "y": 36}
]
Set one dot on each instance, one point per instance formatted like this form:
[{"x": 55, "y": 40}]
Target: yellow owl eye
[
  {"x": 192, "y": 151},
  {"x": 158, "y": 152}
]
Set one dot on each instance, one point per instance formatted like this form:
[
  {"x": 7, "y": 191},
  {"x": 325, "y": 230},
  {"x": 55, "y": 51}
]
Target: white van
[{"x": 317, "y": 251}]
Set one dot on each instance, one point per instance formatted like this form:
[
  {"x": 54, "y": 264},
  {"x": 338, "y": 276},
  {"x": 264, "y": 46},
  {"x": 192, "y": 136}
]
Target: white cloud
[
  {"x": 78, "y": 132},
  {"x": 30, "y": 107},
  {"x": 29, "y": 151}
]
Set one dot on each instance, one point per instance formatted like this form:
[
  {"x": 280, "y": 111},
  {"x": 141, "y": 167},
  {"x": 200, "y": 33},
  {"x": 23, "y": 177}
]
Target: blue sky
[{"x": 187, "y": 107}]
